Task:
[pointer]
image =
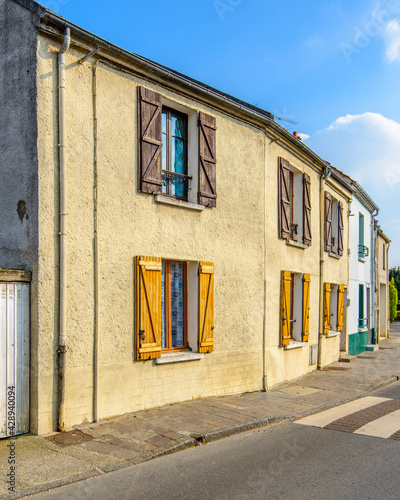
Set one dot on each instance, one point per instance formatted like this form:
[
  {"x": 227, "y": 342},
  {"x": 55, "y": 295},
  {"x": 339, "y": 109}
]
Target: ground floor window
[
  {"x": 173, "y": 305},
  {"x": 295, "y": 307}
]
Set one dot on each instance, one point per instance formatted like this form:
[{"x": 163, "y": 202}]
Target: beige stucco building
[
  {"x": 180, "y": 243},
  {"x": 382, "y": 319}
]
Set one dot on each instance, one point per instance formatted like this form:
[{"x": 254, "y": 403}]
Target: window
[
  {"x": 362, "y": 320},
  {"x": 174, "y": 153},
  {"x": 294, "y": 204},
  {"x": 362, "y": 249},
  {"x": 333, "y": 225},
  {"x": 295, "y": 307},
  {"x": 177, "y": 150},
  {"x": 174, "y": 306},
  {"x": 333, "y": 307}
]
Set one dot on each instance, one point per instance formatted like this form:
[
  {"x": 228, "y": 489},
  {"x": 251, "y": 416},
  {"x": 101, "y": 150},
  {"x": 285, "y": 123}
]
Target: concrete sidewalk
[{"x": 94, "y": 449}]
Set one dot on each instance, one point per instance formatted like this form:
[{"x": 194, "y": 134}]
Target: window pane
[
  {"x": 178, "y": 166},
  {"x": 177, "y": 304},
  {"x": 164, "y": 122},
  {"x": 164, "y": 158},
  {"x": 163, "y": 311},
  {"x": 178, "y": 129}
]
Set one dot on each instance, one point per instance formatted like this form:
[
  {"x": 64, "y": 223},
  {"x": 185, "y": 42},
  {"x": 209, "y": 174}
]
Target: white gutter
[{"x": 62, "y": 350}]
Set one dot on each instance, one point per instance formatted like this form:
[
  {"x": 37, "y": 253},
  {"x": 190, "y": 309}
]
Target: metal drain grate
[{"x": 70, "y": 438}]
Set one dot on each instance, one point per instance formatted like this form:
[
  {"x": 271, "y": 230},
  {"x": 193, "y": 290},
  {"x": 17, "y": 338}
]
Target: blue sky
[{"x": 333, "y": 67}]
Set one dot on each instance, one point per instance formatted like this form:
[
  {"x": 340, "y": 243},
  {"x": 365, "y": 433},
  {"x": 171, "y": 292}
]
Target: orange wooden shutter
[
  {"x": 285, "y": 199},
  {"x": 306, "y": 306},
  {"x": 150, "y": 141},
  {"x": 285, "y": 307},
  {"x": 206, "y": 306},
  {"x": 306, "y": 209},
  {"x": 340, "y": 308},
  {"x": 328, "y": 222},
  {"x": 207, "y": 161},
  {"x": 327, "y": 307},
  {"x": 340, "y": 228},
  {"x": 148, "y": 307}
]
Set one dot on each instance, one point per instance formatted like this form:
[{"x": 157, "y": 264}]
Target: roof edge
[{"x": 34, "y": 7}]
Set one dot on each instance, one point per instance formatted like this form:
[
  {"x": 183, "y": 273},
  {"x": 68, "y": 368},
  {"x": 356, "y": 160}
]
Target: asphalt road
[{"x": 287, "y": 461}]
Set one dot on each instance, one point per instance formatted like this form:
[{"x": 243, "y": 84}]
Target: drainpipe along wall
[{"x": 62, "y": 349}]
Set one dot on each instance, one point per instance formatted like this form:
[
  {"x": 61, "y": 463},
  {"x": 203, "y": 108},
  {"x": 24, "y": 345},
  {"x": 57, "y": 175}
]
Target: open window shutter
[
  {"x": 340, "y": 228},
  {"x": 284, "y": 199},
  {"x": 327, "y": 307},
  {"x": 207, "y": 161},
  {"x": 148, "y": 307},
  {"x": 340, "y": 308},
  {"x": 285, "y": 307},
  {"x": 150, "y": 141},
  {"x": 206, "y": 306},
  {"x": 328, "y": 222},
  {"x": 306, "y": 306},
  {"x": 306, "y": 209}
]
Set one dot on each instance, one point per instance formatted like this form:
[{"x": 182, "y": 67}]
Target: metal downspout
[
  {"x": 374, "y": 230},
  {"x": 62, "y": 349},
  {"x": 96, "y": 254}
]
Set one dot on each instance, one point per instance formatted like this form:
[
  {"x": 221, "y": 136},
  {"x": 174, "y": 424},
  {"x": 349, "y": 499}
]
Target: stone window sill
[
  {"x": 334, "y": 255},
  {"x": 360, "y": 259},
  {"x": 294, "y": 345},
  {"x": 296, "y": 244},
  {"x": 363, "y": 329},
  {"x": 178, "y": 357},
  {"x": 174, "y": 202},
  {"x": 332, "y": 333}
]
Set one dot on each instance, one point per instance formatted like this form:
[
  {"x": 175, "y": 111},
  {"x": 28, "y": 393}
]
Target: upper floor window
[
  {"x": 333, "y": 225},
  {"x": 174, "y": 153},
  {"x": 363, "y": 250},
  {"x": 294, "y": 204},
  {"x": 177, "y": 150}
]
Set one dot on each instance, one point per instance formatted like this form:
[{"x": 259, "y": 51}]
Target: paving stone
[{"x": 159, "y": 441}]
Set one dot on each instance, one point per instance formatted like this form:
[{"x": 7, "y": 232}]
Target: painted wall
[
  {"x": 129, "y": 224},
  {"x": 359, "y": 274},
  {"x": 282, "y": 364},
  {"x": 335, "y": 271},
  {"x": 382, "y": 287}
]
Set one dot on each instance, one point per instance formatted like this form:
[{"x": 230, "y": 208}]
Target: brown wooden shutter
[
  {"x": 148, "y": 307},
  {"x": 285, "y": 199},
  {"x": 340, "y": 308},
  {"x": 206, "y": 306},
  {"x": 207, "y": 161},
  {"x": 150, "y": 141},
  {"x": 306, "y": 209},
  {"x": 328, "y": 222},
  {"x": 306, "y": 306},
  {"x": 327, "y": 307},
  {"x": 285, "y": 307},
  {"x": 340, "y": 228}
]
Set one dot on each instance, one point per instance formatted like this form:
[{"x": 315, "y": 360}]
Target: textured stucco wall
[
  {"x": 382, "y": 288},
  {"x": 280, "y": 364},
  {"x": 18, "y": 159},
  {"x": 129, "y": 224}
]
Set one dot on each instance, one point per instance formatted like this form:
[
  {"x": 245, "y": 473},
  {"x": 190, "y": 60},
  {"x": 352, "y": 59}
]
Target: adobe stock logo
[
  {"x": 372, "y": 29},
  {"x": 55, "y": 5},
  {"x": 223, "y": 6}
]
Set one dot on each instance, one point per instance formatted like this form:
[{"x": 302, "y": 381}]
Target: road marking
[
  {"x": 326, "y": 417},
  {"x": 382, "y": 427}
]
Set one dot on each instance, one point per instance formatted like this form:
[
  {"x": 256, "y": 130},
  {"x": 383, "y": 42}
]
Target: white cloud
[
  {"x": 304, "y": 137},
  {"x": 367, "y": 148},
  {"x": 391, "y": 38}
]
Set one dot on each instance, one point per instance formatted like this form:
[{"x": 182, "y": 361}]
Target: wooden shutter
[
  {"x": 306, "y": 306},
  {"x": 340, "y": 228},
  {"x": 285, "y": 199},
  {"x": 340, "y": 308},
  {"x": 285, "y": 307},
  {"x": 207, "y": 161},
  {"x": 206, "y": 306},
  {"x": 150, "y": 141},
  {"x": 148, "y": 307},
  {"x": 328, "y": 222},
  {"x": 327, "y": 307},
  {"x": 306, "y": 209}
]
